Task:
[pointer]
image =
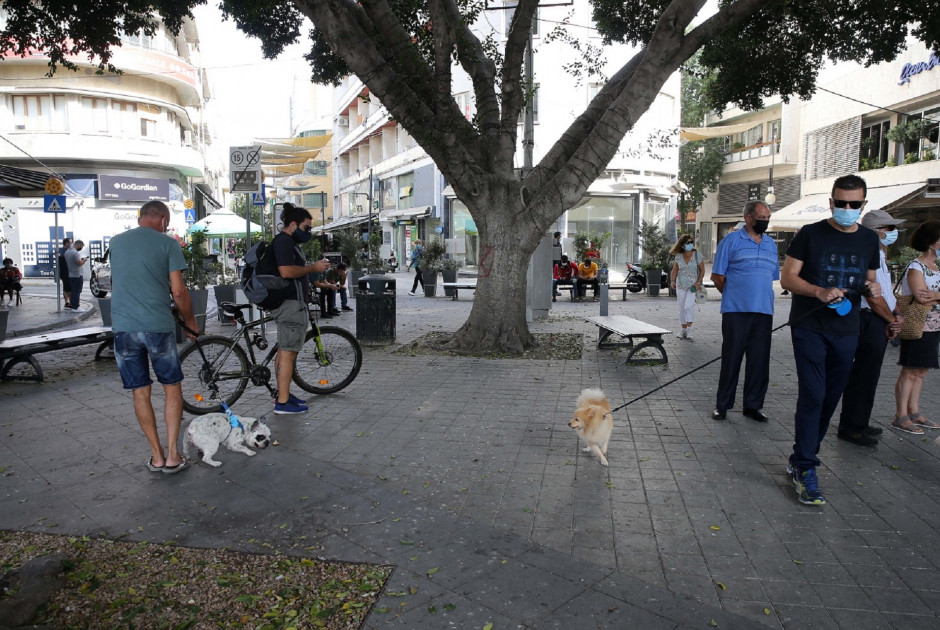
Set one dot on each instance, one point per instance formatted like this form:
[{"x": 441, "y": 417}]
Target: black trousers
[
  {"x": 744, "y": 335},
  {"x": 859, "y": 396}
]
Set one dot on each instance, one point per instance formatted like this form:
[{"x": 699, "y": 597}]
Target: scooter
[{"x": 636, "y": 278}]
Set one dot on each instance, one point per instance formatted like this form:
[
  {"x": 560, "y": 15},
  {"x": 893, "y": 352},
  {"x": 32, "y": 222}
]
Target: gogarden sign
[
  {"x": 118, "y": 188},
  {"x": 912, "y": 69}
]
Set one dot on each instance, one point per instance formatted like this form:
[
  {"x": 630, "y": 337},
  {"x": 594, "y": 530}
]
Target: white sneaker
[
  {"x": 411, "y": 293},
  {"x": 688, "y": 333},
  {"x": 680, "y": 334}
]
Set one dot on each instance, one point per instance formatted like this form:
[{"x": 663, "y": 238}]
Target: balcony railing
[{"x": 762, "y": 149}]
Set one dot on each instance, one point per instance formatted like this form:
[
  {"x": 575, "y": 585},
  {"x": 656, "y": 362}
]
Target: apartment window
[
  {"x": 149, "y": 114},
  {"x": 774, "y": 129},
  {"x": 593, "y": 89},
  {"x": 873, "y": 146},
  {"x": 95, "y": 115},
  {"x": 125, "y": 118},
  {"x": 463, "y": 104},
  {"x": 40, "y": 112}
]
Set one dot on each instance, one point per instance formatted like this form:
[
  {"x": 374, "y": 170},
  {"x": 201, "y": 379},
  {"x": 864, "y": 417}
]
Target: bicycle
[{"x": 218, "y": 369}]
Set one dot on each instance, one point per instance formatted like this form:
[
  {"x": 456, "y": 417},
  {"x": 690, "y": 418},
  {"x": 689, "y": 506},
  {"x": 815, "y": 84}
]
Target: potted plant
[
  {"x": 374, "y": 262},
  {"x": 350, "y": 246},
  {"x": 432, "y": 261},
  {"x": 449, "y": 274},
  {"x": 200, "y": 267},
  {"x": 590, "y": 243},
  {"x": 655, "y": 255}
]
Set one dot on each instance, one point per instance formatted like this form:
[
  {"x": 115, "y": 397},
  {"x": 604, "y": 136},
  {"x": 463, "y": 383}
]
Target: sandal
[
  {"x": 921, "y": 420},
  {"x": 175, "y": 469},
  {"x": 902, "y": 424},
  {"x": 151, "y": 467}
]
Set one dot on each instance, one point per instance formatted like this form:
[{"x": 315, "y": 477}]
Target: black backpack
[{"x": 262, "y": 284}]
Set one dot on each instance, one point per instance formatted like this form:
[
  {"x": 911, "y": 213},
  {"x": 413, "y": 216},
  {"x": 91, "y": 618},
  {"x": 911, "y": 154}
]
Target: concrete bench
[
  {"x": 471, "y": 286},
  {"x": 17, "y": 350},
  {"x": 631, "y": 329}
]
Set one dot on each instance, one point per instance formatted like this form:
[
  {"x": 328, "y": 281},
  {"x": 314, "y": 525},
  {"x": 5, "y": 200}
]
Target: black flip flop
[{"x": 169, "y": 470}]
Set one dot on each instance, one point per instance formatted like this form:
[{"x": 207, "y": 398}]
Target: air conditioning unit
[{"x": 342, "y": 121}]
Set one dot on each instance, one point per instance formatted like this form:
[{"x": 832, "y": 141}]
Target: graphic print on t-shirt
[{"x": 841, "y": 271}]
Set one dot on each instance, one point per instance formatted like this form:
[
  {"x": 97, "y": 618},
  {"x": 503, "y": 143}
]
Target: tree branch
[{"x": 513, "y": 99}]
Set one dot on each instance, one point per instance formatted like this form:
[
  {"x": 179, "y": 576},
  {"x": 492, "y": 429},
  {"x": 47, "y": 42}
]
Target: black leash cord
[{"x": 694, "y": 370}]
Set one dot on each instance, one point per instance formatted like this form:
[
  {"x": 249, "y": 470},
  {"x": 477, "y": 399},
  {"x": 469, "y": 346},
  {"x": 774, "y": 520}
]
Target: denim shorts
[{"x": 131, "y": 350}]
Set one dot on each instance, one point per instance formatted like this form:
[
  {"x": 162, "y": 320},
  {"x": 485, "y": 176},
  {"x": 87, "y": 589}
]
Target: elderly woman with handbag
[{"x": 919, "y": 303}]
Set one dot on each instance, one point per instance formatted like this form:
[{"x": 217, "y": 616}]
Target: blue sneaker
[
  {"x": 289, "y": 407},
  {"x": 296, "y": 400},
  {"x": 807, "y": 486}
]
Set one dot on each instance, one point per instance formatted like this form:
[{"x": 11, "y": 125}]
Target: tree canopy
[{"x": 406, "y": 52}]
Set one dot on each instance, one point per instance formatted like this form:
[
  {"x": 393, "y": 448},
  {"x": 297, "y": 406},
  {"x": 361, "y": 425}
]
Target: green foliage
[
  {"x": 909, "y": 131},
  {"x": 312, "y": 249},
  {"x": 655, "y": 247},
  {"x": 350, "y": 246},
  {"x": 433, "y": 257},
  {"x": 375, "y": 262},
  {"x": 911, "y": 157},
  {"x": 200, "y": 271},
  {"x": 587, "y": 241}
]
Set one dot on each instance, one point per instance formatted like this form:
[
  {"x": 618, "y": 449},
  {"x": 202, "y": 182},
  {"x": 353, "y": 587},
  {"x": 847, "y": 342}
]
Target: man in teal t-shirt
[{"x": 146, "y": 270}]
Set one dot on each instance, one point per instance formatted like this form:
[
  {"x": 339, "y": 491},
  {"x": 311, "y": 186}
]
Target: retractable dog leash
[{"x": 842, "y": 306}]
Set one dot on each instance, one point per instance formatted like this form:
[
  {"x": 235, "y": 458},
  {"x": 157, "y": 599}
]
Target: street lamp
[{"x": 770, "y": 199}]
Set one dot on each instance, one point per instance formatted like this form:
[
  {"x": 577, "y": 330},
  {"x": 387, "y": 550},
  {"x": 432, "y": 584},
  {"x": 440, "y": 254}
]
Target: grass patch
[{"x": 112, "y": 584}]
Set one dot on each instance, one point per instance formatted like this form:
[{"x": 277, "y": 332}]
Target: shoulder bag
[{"x": 914, "y": 313}]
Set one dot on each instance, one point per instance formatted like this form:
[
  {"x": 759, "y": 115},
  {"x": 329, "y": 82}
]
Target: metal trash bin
[{"x": 375, "y": 309}]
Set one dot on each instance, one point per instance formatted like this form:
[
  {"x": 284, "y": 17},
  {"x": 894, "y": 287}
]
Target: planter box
[
  {"x": 430, "y": 283},
  {"x": 352, "y": 281},
  {"x": 104, "y": 308},
  {"x": 224, "y": 293},
  {"x": 200, "y": 299},
  {"x": 449, "y": 275}
]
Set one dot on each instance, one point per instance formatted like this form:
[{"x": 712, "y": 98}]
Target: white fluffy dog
[
  {"x": 594, "y": 422},
  {"x": 207, "y": 432}
]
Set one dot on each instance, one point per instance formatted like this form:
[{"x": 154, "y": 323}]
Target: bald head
[{"x": 154, "y": 215}]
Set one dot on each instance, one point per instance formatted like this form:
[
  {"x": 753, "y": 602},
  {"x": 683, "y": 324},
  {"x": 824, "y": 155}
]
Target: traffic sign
[
  {"x": 53, "y": 203},
  {"x": 244, "y": 169},
  {"x": 190, "y": 215},
  {"x": 257, "y": 199},
  {"x": 54, "y": 186}
]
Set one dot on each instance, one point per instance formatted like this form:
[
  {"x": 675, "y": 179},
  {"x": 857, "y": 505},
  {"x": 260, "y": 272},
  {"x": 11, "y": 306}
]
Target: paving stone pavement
[{"x": 468, "y": 465}]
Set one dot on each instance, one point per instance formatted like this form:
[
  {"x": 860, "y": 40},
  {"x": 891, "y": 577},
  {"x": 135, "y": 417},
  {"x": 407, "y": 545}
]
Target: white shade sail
[{"x": 223, "y": 222}]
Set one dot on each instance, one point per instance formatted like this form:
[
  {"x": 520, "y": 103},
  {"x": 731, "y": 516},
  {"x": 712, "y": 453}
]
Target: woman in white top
[
  {"x": 922, "y": 280},
  {"x": 688, "y": 271}
]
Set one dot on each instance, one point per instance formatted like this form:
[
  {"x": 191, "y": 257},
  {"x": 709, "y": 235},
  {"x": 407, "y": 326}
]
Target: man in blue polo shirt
[{"x": 744, "y": 271}]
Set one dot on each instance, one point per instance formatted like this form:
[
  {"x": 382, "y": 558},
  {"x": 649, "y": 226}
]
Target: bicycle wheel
[
  {"x": 334, "y": 368},
  {"x": 223, "y": 375}
]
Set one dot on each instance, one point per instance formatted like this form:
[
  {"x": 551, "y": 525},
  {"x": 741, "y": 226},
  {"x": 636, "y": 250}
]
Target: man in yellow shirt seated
[{"x": 587, "y": 275}]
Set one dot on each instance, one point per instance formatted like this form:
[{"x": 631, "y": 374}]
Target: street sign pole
[{"x": 58, "y": 272}]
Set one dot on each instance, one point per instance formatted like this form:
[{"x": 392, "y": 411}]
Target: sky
[{"x": 250, "y": 95}]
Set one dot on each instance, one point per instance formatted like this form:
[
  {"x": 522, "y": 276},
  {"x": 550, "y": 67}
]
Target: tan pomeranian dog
[{"x": 594, "y": 422}]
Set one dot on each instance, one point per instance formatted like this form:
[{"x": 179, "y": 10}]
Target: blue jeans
[
  {"x": 132, "y": 349},
  {"x": 76, "y": 290},
  {"x": 823, "y": 365}
]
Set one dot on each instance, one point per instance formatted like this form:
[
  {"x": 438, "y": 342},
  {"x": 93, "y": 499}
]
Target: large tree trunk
[{"x": 497, "y": 321}]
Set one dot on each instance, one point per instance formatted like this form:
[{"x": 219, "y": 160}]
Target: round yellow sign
[
  {"x": 54, "y": 186},
  {"x": 188, "y": 204}
]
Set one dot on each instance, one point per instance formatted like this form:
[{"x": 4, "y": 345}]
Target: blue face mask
[
  {"x": 889, "y": 238},
  {"x": 688, "y": 247},
  {"x": 845, "y": 216}
]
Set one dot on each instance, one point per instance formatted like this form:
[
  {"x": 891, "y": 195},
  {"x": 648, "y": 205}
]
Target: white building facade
[
  {"x": 116, "y": 141},
  {"x": 413, "y": 200},
  {"x": 853, "y": 124}
]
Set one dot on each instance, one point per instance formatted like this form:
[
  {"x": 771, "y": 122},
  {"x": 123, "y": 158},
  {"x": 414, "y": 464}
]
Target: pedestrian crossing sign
[
  {"x": 257, "y": 199},
  {"x": 54, "y": 203},
  {"x": 190, "y": 215}
]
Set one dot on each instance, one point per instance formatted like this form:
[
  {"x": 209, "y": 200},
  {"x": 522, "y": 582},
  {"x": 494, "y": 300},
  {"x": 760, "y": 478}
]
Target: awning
[
  {"x": 340, "y": 224},
  {"x": 813, "y": 208},
  {"x": 26, "y": 179},
  {"x": 408, "y": 213},
  {"x": 206, "y": 192},
  {"x": 689, "y": 134},
  {"x": 223, "y": 223}
]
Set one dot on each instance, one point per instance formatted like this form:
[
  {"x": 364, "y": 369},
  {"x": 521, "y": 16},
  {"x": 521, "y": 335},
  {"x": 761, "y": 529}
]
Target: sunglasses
[{"x": 842, "y": 203}]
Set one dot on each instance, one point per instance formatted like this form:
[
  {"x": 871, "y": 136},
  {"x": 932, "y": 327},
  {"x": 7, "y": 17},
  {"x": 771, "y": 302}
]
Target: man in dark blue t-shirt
[
  {"x": 826, "y": 262},
  {"x": 291, "y": 316}
]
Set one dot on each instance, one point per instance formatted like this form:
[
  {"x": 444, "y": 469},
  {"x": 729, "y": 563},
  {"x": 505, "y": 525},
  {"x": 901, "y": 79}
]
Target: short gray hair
[{"x": 751, "y": 206}]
